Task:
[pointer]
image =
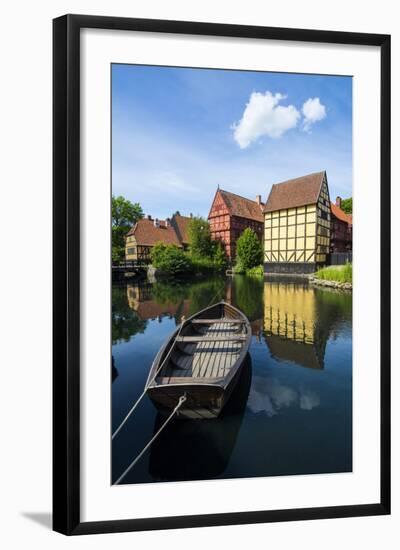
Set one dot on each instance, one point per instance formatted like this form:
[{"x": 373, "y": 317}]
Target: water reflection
[
  {"x": 268, "y": 395},
  {"x": 200, "y": 449},
  {"x": 292, "y": 317},
  {"x": 280, "y": 409},
  {"x": 125, "y": 321},
  {"x": 114, "y": 372},
  {"x": 291, "y": 324}
]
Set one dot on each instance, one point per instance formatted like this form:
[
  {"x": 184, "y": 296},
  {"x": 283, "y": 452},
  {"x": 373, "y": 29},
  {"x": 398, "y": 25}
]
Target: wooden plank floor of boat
[{"x": 207, "y": 359}]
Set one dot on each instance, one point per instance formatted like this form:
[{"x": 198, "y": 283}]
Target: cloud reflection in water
[{"x": 269, "y": 396}]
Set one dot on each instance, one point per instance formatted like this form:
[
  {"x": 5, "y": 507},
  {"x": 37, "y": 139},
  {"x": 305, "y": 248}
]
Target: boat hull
[{"x": 202, "y": 401}]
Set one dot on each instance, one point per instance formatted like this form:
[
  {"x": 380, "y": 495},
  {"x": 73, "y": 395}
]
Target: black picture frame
[{"x": 66, "y": 273}]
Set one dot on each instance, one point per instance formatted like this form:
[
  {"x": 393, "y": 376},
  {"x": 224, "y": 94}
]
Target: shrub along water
[
  {"x": 174, "y": 262},
  {"x": 257, "y": 271},
  {"x": 248, "y": 254},
  {"x": 340, "y": 273},
  {"x": 170, "y": 259}
]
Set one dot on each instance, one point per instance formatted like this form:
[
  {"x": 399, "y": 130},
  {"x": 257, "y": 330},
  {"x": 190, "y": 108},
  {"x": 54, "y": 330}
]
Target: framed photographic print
[{"x": 221, "y": 304}]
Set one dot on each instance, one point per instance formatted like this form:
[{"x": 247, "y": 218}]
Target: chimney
[
  {"x": 148, "y": 217},
  {"x": 191, "y": 215},
  {"x": 156, "y": 223},
  {"x": 339, "y": 202},
  {"x": 258, "y": 200},
  {"x": 167, "y": 222}
]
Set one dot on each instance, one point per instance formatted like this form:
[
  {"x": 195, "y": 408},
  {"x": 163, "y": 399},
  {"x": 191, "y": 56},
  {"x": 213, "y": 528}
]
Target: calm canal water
[{"x": 291, "y": 412}]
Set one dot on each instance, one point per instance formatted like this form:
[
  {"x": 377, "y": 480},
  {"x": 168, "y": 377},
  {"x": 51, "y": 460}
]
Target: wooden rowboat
[{"x": 201, "y": 360}]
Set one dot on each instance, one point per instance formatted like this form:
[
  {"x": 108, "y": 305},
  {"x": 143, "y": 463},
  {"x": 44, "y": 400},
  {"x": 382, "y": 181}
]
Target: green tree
[
  {"x": 170, "y": 259},
  {"x": 124, "y": 215},
  {"x": 248, "y": 249},
  {"x": 347, "y": 205},
  {"x": 200, "y": 238},
  {"x": 219, "y": 256}
]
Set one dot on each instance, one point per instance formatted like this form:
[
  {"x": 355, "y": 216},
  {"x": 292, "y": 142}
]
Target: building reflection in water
[
  {"x": 292, "y": 328},
  {"x": 140, "y": 299},
  {"x": 289, "y": 317}
]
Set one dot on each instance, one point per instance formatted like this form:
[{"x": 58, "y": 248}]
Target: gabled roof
[
  {"x": 340, "y": 214},
  {"x": 181, "y": 225},
  {"x": 242, "y": 207},
  {"x": 295, "y": 192},
  {"x": 147, "y": 234}
]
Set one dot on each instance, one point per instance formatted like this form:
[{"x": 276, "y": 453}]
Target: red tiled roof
[
  {"x": 147, "y": 234},
  {"x": 242, "y": 207},
  {"x": 295, "y": 192},
  {"x": 181, "y": 225},
  {"x": 340, "y": 214}
]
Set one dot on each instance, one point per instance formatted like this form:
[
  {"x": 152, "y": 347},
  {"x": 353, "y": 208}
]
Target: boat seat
[
  {"x": 217, "y": 321},
  {"x": 204, "y": 339}
]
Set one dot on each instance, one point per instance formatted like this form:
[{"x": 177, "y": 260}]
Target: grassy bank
[
  {"x": 257, "y": 271},
  {"x": 339, "y": 273}
]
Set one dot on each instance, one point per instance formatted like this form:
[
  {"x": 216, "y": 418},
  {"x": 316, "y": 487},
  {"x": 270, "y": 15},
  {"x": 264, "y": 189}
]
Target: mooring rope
[
  {"x": 151, "y": 381},
  {"x": 155, "y": 375},
  {"x": 182, "y": 399},
  {"x": 211, "y": 302}
]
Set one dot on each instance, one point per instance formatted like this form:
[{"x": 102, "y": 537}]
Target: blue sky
[{"x": 178, "y": 133}]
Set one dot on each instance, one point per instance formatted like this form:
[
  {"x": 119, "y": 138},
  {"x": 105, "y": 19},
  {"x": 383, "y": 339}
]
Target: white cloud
[
  {"x": 183, "y": 166},
  {"x": 313, "y": 111},
  {"x": 263, "y": 116}
]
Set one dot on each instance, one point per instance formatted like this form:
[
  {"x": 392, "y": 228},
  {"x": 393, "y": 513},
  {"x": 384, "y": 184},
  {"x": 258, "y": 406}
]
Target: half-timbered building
[
  {"x": 341, "y": 228},
  {"x": 297, "y": 225},
  {"x": 230, "y": 215},
  {"x": 148, "y": 231}
]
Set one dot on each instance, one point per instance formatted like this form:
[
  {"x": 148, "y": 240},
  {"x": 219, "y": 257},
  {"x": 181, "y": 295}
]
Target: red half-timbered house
[
  {"x": 230, "y": 215},
  {"x": 341, "y": 228}
]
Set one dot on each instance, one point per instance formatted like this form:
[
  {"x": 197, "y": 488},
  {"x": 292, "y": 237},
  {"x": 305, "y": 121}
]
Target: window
[{"x": 131, "y": 251}]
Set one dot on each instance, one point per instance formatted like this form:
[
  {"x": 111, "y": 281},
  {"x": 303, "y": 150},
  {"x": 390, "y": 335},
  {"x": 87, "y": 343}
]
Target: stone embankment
[{"x": 331, "y": 284}]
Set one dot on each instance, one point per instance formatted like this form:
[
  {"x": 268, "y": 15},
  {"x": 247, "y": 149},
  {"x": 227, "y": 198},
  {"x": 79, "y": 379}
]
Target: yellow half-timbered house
[{"x": 297, "y": 225}]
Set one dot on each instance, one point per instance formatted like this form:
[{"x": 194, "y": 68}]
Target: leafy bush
[
  {"x": 340, "y": 273},
  {"x": 170, "y": 259},
  {"x": 203, "y": 265},
  {"x": 249, "y": 251},
  {"x": 238, "y": 268},
  {"x": 257, "y": 271}
]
